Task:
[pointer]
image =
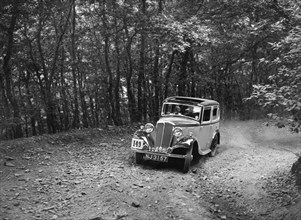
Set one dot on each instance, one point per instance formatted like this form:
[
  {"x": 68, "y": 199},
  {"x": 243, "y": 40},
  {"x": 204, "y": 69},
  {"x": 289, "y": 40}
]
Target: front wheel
[
  {"x": 213, "y": 147},
  {"x": 139, "y": 158},
  {"x": 187, "y": 161}
]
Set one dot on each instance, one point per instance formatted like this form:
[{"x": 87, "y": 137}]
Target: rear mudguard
[{"x": 216, "y": 133}]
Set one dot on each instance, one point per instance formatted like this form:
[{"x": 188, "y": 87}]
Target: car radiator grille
[{"x": 164, "y": 135}]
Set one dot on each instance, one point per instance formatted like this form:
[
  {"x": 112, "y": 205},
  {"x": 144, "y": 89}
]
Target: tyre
[
  {"x": 213, "y": 147},
  {"x": 187, "y": 161},
  {"x": 139, "y": 158}
]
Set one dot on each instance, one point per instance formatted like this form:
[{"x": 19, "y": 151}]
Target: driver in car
[{"x": 177, "y": 110}]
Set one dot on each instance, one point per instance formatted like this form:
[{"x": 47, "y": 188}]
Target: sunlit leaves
[
  {"x": 282, "y": 94},
  {"x": 179, "y": 34}
]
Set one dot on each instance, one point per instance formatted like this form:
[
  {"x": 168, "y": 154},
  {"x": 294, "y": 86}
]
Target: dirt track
[{"x": 91, "y": 174}]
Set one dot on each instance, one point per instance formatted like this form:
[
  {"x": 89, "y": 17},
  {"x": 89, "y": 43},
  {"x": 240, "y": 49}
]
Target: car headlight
[
  {"x": 148, "y": 128},
  {"x": 177, "y": 132}
]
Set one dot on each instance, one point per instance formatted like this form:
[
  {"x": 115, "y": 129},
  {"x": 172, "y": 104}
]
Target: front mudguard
[
  {"x": 183, "y": 146},
  {"x": 186, "y": 142}
]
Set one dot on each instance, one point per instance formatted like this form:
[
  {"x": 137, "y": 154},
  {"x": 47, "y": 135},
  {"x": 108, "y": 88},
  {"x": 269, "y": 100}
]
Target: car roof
[{"x": 191, "y": 100}]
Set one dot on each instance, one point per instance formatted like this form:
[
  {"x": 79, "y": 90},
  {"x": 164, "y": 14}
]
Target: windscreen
[{"x": 175, "y": 109}]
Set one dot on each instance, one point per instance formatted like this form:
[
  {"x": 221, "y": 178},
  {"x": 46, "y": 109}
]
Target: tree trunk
[
  {"x": 17, "y": 130},
  {"x": 84, "y": 109},
  {"x": 6, "y": 111},
  {"x": 168, "y": 73},
  {"x": 156, "y": 74},
  {"x": 253, "y": 75},
  {"x": 97, "y": 109},
  {"x": 192, "y": 85},
  {"x": 156, "y": 80},
  {"x": 111, "y": 110},
  {"x": 46, "y": 84},
  {"x": 82, "y": 95},
  {"x": 92, "y": 109},
  {"x": 182, "y": 80},
  {"x": 157, "y": 88},
  {"x": 51, "y": 116},
  {"x": 117, "y": 82},
  {"x": 32, "y": 109},
  {"x": 130, "y": 94},
  {"x": 141, "y": 77},
  {"x": 73, "y": 69},
  {"x": 65, "y": 109}
]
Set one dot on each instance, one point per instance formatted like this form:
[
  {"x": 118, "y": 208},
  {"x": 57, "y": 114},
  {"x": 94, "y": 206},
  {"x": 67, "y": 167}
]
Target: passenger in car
[{"x": 189, "y": 111}]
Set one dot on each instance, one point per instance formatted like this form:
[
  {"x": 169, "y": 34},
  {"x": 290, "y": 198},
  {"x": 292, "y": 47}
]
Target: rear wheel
[
  {"x": 187, "y": 161},
  {"x": 139, "y": 158},
  {"x": 213, "y": 147}
]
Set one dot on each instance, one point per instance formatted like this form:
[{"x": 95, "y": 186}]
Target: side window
[
  {"x": 207, "y": 113},
  {"x": 215, "y": 113}
]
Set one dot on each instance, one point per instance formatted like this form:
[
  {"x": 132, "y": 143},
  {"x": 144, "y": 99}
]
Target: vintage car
[{"x": 188, "y": 127}]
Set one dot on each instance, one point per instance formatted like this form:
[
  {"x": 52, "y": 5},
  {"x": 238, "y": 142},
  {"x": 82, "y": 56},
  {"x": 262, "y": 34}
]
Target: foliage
[
  {"x": 282, "y": 92},
  {"x": 77, "y": 64},
  {"x": 282, "y": 97}
]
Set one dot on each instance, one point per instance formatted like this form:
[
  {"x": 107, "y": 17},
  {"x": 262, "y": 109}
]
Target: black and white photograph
[{"x": 150, "y": 110}]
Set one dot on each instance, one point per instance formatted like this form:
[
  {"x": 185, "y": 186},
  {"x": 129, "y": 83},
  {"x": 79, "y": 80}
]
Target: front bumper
[{"x": 160, "y": 154}]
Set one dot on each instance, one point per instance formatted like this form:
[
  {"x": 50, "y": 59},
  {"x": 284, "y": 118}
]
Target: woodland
[
  {"x": 73, "y": 64},
  {"x": 78, "y": 77}
]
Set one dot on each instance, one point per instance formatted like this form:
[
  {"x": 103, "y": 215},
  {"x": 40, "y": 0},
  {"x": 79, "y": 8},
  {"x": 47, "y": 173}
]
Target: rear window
[{"x": 215, "y": 113}]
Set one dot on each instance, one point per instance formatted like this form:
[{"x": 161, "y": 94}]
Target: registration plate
[{"x": 159, "y": 158}]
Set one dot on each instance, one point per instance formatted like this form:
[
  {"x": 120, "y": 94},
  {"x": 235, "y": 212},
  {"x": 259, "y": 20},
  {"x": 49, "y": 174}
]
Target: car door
[{"x": 206, "y": 129}]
